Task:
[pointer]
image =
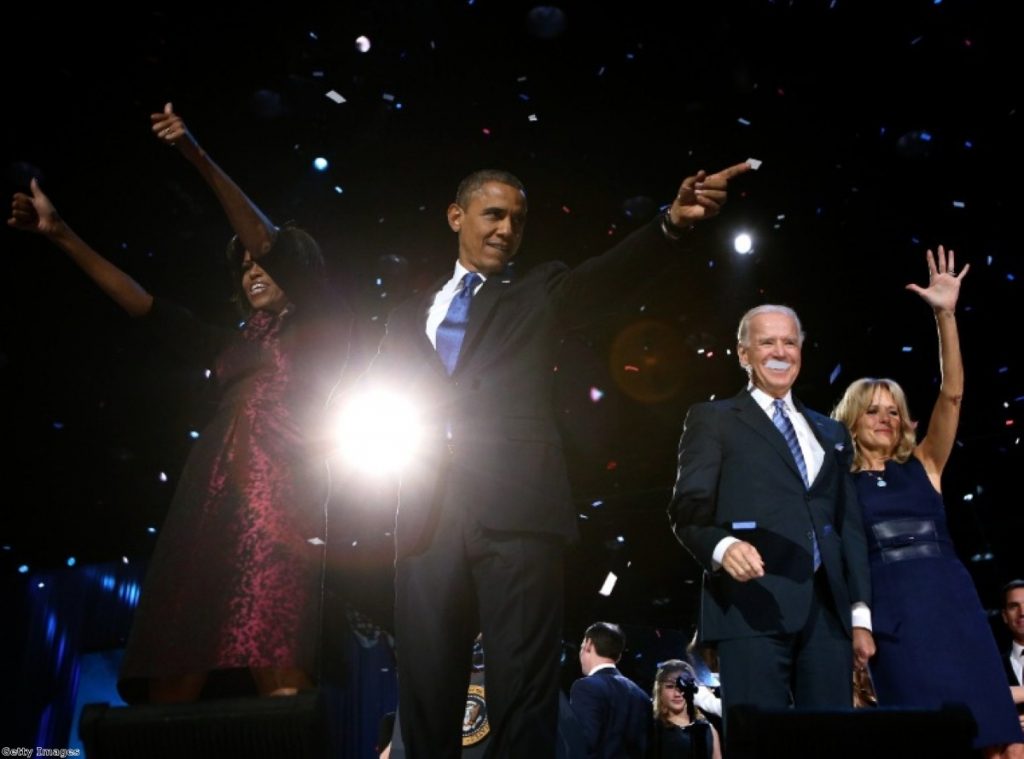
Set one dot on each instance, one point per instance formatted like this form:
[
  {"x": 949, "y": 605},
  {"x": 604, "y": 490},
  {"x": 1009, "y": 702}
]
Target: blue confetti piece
[
  {"x": 915, "y": 240},
  {"x": 194, "y": 435},
  {"x": 968, "y": 144},
  {"x": 339, "y": 190},
  {"x": 23, "y": 569},
  {"x": 743, "y": 121},
  {"x": 959, "y": 204},
  {"x": 835, "y": 374},
  {"x": 71, "y": 561},
  {"x": 988, "y": 260},
  {"x": 1010, "y": 277},
  {"x": 1004, "y": 369},
  {"x": 916, "y": 40},
  {"x": 907, "y": 349},
  {"x": 524, "y": 97},
  {"x": 597, "y": 504},
  {"x": 925, "y": 136}
]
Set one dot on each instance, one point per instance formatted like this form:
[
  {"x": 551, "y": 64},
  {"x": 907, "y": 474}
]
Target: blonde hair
[
  {"x": 667, "y": 673},
  {"x": 854, "y": 403}
]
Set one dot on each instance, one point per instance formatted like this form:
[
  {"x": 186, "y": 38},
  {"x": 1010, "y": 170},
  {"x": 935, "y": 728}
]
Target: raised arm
[
  {"x": 253, "y": 228},
  {"x": 941, "y": 294},
  {"x": 35, "y": 213},
  {"x": 702, "y": 195}
]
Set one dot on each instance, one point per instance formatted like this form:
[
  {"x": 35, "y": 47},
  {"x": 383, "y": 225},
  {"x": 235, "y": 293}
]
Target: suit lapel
[
  {"x": 817, "y": 424},
  {"x": 754, "y": 416},
  {"x": 415, "y": 313}
]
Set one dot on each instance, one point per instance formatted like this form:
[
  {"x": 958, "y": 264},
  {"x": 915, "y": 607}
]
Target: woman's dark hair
[{"x": 298, "y": 264}]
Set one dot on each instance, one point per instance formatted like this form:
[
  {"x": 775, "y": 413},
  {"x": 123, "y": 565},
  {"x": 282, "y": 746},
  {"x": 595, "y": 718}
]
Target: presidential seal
[{"x": 474, "y": 722}]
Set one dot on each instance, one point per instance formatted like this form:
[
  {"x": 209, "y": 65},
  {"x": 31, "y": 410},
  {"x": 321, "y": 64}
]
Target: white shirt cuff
[
  {"x": 861, "y": 615},
  {"x": 719, "y": 553}
]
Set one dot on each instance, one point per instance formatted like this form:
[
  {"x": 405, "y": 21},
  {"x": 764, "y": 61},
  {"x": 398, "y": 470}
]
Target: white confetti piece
[{"x": 609, "y": 584}]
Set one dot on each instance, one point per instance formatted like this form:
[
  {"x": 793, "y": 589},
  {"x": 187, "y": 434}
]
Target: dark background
[{"x": 884, "y": 129}]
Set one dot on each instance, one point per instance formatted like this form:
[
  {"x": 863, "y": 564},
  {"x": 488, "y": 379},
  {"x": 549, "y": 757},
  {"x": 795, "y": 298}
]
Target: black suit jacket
[
  {"x": 1011, "y": 676},
  {"x": 504, "y": 460},
  {"x": 615, "y": 714},
  {"x": 737, "y": 477}
]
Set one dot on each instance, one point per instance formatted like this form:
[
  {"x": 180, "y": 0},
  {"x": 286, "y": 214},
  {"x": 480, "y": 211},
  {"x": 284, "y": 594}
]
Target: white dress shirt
[
  {"x": 445, "y": 296},
  {"x": 1017, "y": 661}
]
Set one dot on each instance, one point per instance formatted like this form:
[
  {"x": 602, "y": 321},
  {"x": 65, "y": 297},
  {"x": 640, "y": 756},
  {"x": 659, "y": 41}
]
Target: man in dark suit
[
  {"x": 764, "y": 502},
  {"x": 614, "y": 712},
  {"x": 485, "y": 509},
  {"x": 1013, "y": 660}
]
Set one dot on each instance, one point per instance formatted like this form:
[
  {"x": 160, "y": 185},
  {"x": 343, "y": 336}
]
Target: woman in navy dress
[
  {"x": 234, "y": 583},
  {"x": 934, "y": 642}
]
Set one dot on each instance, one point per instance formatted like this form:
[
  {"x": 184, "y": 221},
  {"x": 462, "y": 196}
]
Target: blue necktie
[
  {"x": 785, "y": 426},
  {"x": 451, "y": 331}
]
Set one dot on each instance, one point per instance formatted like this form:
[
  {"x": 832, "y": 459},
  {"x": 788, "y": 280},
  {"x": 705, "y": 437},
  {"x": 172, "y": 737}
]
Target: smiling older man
[{"x": 763, "y": 500}]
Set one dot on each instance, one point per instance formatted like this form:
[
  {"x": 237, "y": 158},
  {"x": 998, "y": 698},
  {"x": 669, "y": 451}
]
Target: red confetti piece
[{"x": 631, "y": 368}]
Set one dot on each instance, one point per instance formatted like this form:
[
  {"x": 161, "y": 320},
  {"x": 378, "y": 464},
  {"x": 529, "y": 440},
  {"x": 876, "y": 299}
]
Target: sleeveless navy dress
[{"x": 934, "y": 642}]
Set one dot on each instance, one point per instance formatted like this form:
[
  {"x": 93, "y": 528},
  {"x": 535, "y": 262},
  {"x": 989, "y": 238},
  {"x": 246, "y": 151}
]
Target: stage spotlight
[
  {"x": 743, "y": 244},
  {"x": 320, "y": 163},
  {"x": 378, "y": 431}
]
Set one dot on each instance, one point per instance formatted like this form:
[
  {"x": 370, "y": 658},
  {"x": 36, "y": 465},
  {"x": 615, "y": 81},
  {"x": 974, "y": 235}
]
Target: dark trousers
[
  {"x": 509, "y": 586},
  {"x": 812, "y": 668}
]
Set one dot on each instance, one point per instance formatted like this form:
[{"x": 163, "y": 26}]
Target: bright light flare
[
  {"x": 378, "y": 432},
  {"x": 743, "y": 244}
]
